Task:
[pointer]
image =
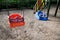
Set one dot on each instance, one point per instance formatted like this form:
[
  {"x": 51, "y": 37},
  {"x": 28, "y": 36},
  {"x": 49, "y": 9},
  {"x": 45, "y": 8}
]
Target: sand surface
[{"x": 33, "y": 29}]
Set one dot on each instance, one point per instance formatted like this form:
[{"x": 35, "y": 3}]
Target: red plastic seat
[{"x": 16, "y": 20}]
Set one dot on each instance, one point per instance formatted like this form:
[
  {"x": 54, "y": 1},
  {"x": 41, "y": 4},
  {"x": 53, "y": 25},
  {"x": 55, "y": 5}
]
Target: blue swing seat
[{"x": 41, "y": 16}]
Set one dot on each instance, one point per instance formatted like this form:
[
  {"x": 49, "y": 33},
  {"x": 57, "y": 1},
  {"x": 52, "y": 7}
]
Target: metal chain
[{"x": 7, "y": 7}]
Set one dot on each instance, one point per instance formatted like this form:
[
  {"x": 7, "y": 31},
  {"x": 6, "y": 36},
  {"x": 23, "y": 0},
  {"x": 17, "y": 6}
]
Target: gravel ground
[{"x": 33, "y": 29}]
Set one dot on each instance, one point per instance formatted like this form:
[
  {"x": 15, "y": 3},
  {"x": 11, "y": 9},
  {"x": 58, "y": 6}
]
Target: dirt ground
[{"x": 33, "y": 29}]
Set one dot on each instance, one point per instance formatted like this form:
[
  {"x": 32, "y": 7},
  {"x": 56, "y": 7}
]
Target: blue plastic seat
[{"x": 41, "y": 16}]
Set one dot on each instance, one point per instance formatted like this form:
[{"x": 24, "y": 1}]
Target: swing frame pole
[
  {"x": 56, "y": 8},
  {"x": 48, "y": 9}
]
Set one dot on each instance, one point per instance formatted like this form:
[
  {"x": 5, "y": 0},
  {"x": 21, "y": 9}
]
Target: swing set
[
  {"x": 15, "y": 19},
  {"x": 42, "y": 4},
  {"x": 39, "y": 14}
]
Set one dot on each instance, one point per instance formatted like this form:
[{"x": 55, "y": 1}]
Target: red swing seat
[{"x": 16, "y": 20}]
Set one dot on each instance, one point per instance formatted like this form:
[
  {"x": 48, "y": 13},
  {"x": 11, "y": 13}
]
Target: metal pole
[
  {"x": 56, "y": 8},
  {"x": 49, "y": 4}
]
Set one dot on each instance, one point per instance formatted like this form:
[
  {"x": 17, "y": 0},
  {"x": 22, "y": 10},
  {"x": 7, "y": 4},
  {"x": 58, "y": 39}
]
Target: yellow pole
[
  {"x": 43, "y": 3},
  {"x": 37, "y": 5}
]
